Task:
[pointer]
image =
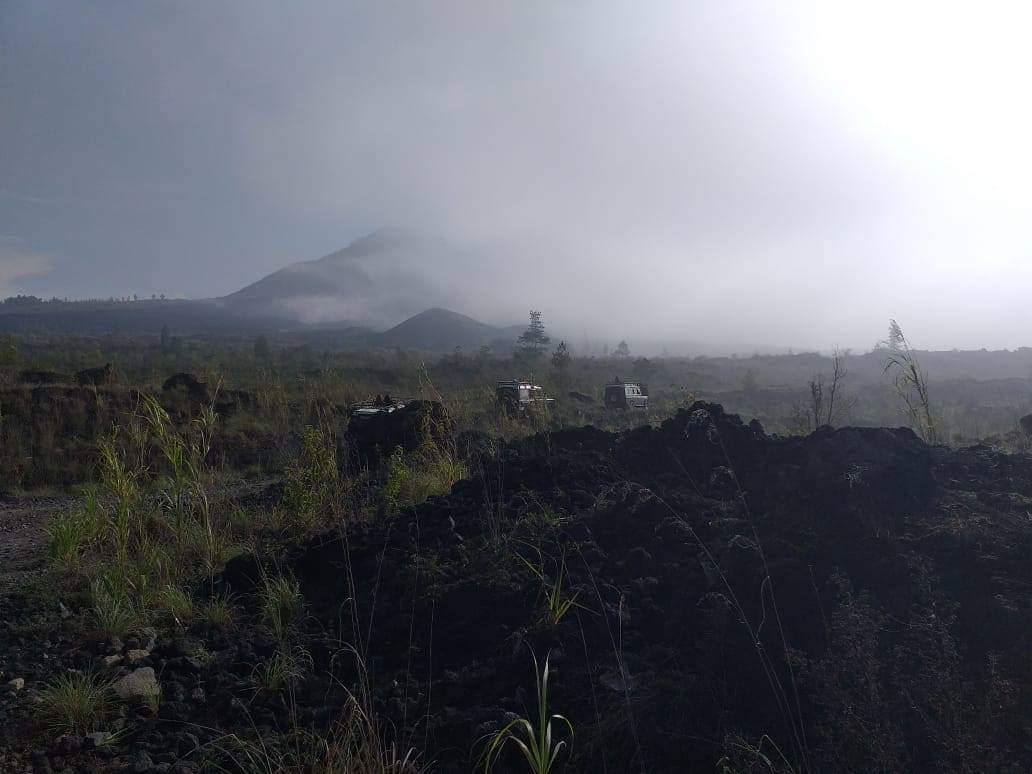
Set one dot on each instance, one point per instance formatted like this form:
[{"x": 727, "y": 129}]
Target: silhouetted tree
[
  {"x": 533, "y": 341},
  {"x": 21, "y": 300},
  {"x": 828, "y": 401},
  {"x": 622, "y": 350},
  {"x": 561, "y": 357},
  {"x": 166, "y": 339}
]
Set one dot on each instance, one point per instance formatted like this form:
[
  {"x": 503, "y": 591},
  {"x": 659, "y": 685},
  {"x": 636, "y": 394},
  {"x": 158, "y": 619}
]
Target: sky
[{"x": 773, "y": 174}]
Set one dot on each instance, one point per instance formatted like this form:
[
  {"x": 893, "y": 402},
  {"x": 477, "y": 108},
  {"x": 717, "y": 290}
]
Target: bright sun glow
[
  {"x": 938, "y": 81},
  {"x": 939, "y": 89}
]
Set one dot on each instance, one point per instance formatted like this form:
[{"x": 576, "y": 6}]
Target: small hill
[{"x": 441, "y": 330}]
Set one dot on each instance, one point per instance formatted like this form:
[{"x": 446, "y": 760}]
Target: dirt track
[{"x": 22, "y": 539}]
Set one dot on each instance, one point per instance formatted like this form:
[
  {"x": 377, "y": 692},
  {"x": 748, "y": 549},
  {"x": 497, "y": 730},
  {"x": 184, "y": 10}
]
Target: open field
[{"x": 50, "y": 431}]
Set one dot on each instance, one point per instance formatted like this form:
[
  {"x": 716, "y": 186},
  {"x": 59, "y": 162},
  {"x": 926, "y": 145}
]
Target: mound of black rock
[{"x": 855, "y": 599}]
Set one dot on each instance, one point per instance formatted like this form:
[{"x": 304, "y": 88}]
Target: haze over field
[{"x": 785, "y": 174}]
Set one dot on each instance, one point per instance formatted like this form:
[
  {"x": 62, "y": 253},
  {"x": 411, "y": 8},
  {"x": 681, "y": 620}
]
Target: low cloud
[{"x": 18, "y": 260}]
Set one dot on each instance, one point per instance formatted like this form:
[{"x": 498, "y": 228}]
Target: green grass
[
  {"x": 113, "y": 611},
  {"x": 412, "y": 478},
  {"x": 75, "y": 703},
  {"x": 282, "y": 670},
  {"x": 71, "y": 533},
  {"x": 353, "y": 744},
  {"x": 156, "y": 525},
  {"x": 533, "y": 737},
  {"x": 177, "y": 604},
  {"x": 557, "y": 602},
  {"x": 219, "y": 612},
  {"x": 68, "y": 537},
  {"x": 282, "y": 605}
]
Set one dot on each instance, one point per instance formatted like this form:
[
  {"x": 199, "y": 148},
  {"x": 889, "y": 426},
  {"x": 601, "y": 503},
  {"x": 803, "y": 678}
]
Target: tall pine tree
[{"x": 533, "y": 341}]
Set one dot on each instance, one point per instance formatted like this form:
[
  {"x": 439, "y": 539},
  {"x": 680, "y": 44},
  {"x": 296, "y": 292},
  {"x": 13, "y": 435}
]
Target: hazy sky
[{"x": 769, "y": 172}]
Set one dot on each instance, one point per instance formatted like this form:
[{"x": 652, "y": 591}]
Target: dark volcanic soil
[
  {"x": 860, "y": 598},
  {"x": 22, "y": 521}
]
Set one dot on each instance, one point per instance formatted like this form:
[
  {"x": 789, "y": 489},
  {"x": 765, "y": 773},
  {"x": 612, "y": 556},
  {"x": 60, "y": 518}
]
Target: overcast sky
[{"x": 772, "y": 172}]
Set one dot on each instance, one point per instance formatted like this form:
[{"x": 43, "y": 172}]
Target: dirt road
[{"x": 22, "y": 538}]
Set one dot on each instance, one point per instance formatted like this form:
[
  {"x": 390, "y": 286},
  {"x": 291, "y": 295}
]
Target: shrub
[
  {"x": 890, "y": 692},
  {"x": 412, "y": 478},
  {"x": 311, "y": 479}
]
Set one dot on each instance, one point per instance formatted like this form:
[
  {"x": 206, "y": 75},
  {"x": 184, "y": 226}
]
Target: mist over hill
[
  {"x": 377, "y": 281},
  {"x": 405, "y": 288}
]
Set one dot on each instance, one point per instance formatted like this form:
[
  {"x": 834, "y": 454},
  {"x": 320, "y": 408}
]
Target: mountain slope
[
  {"x": 377, "y": 280},
  {"x": 337, "y": 272}
]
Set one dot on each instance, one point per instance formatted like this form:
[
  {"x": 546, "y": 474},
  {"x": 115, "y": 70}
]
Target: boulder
[
  {"x": 195, "y": 389},
  {"x": 374, "y": 437},
  {"x": 137, "y": 655},
  {"x": 139, "y": 685}
]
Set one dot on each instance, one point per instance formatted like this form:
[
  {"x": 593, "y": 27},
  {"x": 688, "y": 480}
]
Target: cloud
[
  {"x": 20, "y": 197},
  {"x": 18, "y": 260},
  {"x": 744, "y": 170}
]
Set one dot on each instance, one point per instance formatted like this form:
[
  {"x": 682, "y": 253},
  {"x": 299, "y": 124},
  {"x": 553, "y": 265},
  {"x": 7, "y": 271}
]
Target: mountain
[
  {"x": 375, "y": 281},
  {"x": 439, "y": 330},
  {"x": 355, "y": 295}
]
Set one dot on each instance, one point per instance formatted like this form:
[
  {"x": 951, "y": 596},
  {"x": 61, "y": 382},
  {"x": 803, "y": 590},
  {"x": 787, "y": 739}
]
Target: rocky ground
[
  {"x": 851, "y": 601},
  {"x": 22, "y": 521}
]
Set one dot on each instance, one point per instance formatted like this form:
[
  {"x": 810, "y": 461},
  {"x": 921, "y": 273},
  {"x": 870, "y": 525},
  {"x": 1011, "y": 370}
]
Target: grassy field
[{"x": 274, "y": 390}]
